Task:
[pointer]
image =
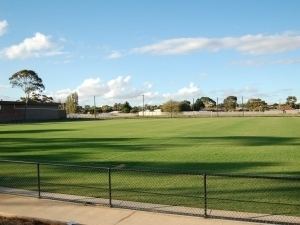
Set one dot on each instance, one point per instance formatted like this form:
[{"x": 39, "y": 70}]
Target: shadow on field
[
  {"x": 199, "y": 167},
  {"x": 157, "y": 166},
  {"x": 29, "y": 145},
  {"x": 246, "y": 140},
  {"x": 82, "y": 150},
  {"x": 9, "y": 145},
  {"x": 34, "y": 131}
]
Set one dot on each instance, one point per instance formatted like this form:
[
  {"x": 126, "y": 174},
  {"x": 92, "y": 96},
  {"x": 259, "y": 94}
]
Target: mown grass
[{"x": 260, "y": 146}]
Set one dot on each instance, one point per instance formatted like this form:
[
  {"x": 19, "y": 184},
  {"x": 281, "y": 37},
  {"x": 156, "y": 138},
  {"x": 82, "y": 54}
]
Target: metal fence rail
[{"x": 252, "y": 198}]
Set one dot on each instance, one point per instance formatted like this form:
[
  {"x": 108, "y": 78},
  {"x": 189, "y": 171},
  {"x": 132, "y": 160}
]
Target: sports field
[
  {"x": 260, "y": 146},
  {"x": 221, "y": 145}
]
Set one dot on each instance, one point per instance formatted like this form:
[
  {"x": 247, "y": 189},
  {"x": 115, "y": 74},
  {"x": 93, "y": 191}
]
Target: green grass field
[
  {"x": 222, "y": 145},
  {"x": 260, "y": 146}
]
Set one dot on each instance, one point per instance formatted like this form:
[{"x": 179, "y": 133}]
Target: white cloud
[
  {"x": 184, "y": 93},
  {"x": 61, "y": 95},
  {"x": 36, "y": 46},
  {"x": 262, "y": 62},
  {"x": 248, "y": 44},
  {"x": 3, "y": 27},
  {"x": 91, "y": 87},
  {"x": 119, "y": 88},
  {"x": 114, "y": 55}
]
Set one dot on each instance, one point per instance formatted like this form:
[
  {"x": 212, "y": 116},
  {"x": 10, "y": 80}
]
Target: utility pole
[
  {"x": 217, "y": 107},
  {"x": 243, "y": 106},
  {"x": 143, "y": 105},
  {"x": 95, "y": 106},
  {"x": 193, "y": 106},
  {"x": 171, "y": 109}
]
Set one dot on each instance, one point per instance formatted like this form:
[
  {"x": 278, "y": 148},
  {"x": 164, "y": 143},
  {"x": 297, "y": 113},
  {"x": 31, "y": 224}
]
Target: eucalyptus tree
[{"x": 28, "y": 81}]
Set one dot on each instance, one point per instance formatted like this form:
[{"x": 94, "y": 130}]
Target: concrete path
[{"x": 95, "y": 215}]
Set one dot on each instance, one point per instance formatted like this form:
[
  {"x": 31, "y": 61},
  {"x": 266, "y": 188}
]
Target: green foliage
[
  {"x": 126, "y": 107},
  {"x": 171, "y": 106},
  {"x": 184, "y": 106},
  {"x": 38, "y": 98},
  {"x": 291, "y": 101},
  {"x": 151, "y": 107},
  {"x": 135, "y": 109},
  {"x": 72, "y": 103},
  {"x": 87, "y": 109},
  {"x": 256, "y": 105},
  {"x": 208, "y": 102},
  {"x": 107, "y": 109},
  {"x": 117, "y": 107},
  {"x": 230, "y": 103},
  {"x": 28, "y": 81},
  {"x": 122, "y": 107},
  {"x": 198, "y": 105}
]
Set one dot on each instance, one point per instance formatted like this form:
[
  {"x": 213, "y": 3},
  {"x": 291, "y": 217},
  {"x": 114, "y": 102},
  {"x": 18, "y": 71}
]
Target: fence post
[
  {"x": 38, "y": 180},
  {"x": 205, "y": 194},
  {"x": 109, "y": 186}
]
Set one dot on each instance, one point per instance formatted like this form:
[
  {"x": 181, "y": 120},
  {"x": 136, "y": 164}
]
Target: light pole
[
  {"x": 95, "y": 106},
  {"x": 243, "y": 106},
  {"x": 217, "y": 107},
  {"x": 171, "y": 109},
  {"x": 193, "y": 106},
  {"x": 143, "y": 105}
]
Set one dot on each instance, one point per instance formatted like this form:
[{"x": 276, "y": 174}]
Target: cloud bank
[
  {"x": 36, "y": 46},
  {"x": 248, "y": 44},
  {"x": 122, "y": 89}
]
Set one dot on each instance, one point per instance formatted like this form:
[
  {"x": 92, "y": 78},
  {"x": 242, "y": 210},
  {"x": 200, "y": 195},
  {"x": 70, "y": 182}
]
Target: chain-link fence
[{"x": 252, "y": 198}]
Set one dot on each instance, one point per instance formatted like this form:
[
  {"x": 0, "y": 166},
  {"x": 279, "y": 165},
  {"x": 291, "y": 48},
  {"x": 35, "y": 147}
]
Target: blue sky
[{"x": 119, "y": 50}]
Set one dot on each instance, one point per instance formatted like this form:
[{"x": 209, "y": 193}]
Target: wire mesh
[
  {"x": 254, "y": 198},
  {"x": 83, "y": 184},
  {"x": 263, "y": 199},
  {"x": 173, "y": 193},
  {"x": 18, "y": 178}
]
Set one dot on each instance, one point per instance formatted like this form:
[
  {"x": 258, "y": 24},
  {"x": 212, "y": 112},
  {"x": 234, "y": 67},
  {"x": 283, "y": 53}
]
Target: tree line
[
  {"x": 229, "y": 104},
  {"x": 32, "y": 85}
]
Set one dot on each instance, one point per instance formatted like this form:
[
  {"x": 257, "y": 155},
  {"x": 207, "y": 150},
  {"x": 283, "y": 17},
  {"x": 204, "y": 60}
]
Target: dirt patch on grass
[{"x": 25, "y": 221}]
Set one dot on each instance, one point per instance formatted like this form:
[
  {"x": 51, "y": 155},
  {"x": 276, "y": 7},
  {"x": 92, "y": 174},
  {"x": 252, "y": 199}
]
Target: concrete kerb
[
  {"x": 179, "y": 210},
  {"x": 71, "y": 213}
]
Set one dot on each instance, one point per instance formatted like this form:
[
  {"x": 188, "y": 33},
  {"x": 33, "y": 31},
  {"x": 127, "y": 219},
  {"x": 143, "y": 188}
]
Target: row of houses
[{"x": 12, "y": 111}]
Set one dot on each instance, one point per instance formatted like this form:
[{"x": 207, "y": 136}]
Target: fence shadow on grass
[
  {"x": 35, "y": 131},
  {"x": 246, "y": 140},
  {"x": 136, "y": 144}
]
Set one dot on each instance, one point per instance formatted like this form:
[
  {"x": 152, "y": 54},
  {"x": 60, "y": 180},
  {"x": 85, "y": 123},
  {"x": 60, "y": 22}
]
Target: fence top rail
[
  {"x": 55, "y": 164},
  {"x": 159, "y": 171},
  {"x": 201, "y": 173}
]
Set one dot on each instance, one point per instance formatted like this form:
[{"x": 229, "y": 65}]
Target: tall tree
[
  {"x": 117, "y": 107},
  {"x": 208, "y": 102},
  {"x": 170, "y": 106},
  {"x": 28, "y": 81},
  {"x": 198, "y": 105},
  {"x": 256, "y": 104},
  {"x": 126, "y": 107},
  {"x": 230, "y": 103},
  {"x": 106, "y": 108},
  {"x": 38, "y": 98},
  {"x": 291, "y": 101},
  {"x": 185, "y": 106},
  {"x": 72, "y": 103}
]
